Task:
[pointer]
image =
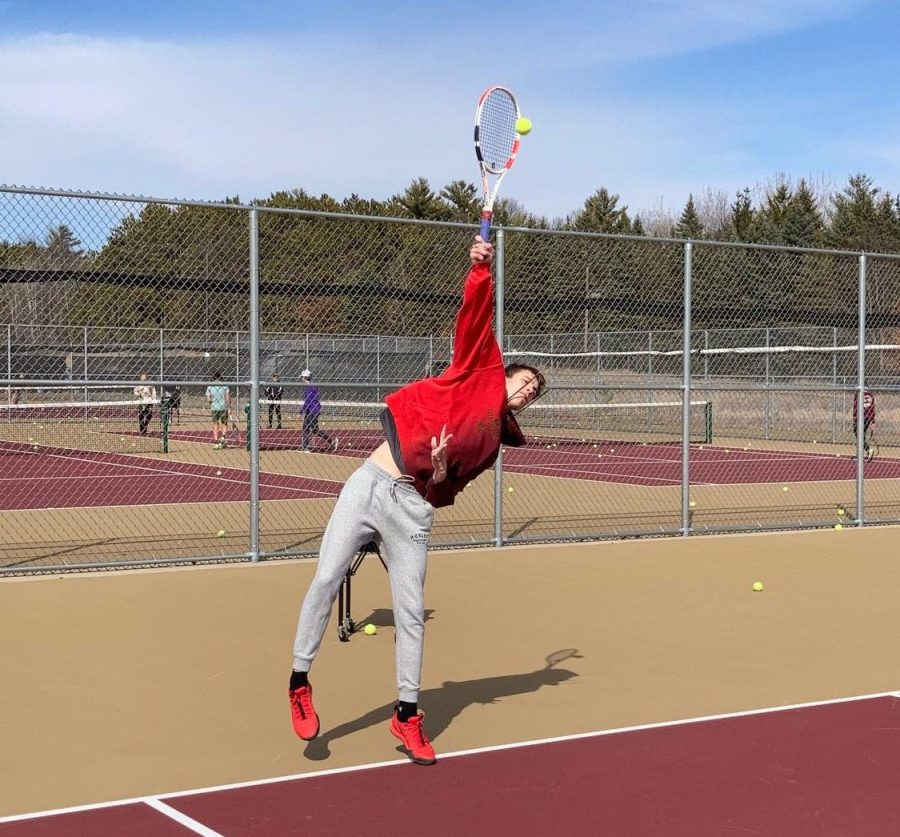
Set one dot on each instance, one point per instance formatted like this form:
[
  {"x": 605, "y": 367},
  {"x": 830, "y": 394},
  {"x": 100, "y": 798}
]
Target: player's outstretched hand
[
  {"x": 439, "y": 455},
  {"x": 482, "y": 251}
]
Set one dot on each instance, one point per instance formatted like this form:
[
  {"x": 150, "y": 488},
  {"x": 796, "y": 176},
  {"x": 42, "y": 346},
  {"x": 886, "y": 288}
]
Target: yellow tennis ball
[
  {"x": 510, "y": 489},
  {"x": 785, "y": 488},
  {"x": 757, "y": 586},
  {"x": 693, "y": 504},
  {"x": 842, "y": 511},
  {"x": 220, "y": 533},
  {"x": 523, "y": 125},
  {"x": 370, "y": 630},
  {"x": 218, "y": 473},
  {"x": 838, "y": 526}
]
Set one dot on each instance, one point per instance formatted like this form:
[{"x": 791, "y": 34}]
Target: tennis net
[
  {"x": 100, "y": 426},
  {"x": 357, "y": 424}
]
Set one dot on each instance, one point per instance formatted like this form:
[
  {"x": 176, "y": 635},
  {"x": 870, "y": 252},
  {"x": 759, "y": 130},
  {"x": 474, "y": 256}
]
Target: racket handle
[{"x": 486, "y": 216}]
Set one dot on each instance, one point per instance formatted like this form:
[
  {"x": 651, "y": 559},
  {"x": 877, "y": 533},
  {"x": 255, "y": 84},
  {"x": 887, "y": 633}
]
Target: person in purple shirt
[{"x": 312, "y": 407}]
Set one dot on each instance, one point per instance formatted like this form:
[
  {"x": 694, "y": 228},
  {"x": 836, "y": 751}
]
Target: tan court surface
[{"x": 138, "y": 682}]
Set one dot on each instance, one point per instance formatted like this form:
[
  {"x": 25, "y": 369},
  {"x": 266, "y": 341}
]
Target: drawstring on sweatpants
[{"x": 406, "y": 479}]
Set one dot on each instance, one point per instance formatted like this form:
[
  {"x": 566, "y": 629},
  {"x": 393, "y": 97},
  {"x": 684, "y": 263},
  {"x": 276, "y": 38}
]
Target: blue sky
[{"x": 653, "y": 100}]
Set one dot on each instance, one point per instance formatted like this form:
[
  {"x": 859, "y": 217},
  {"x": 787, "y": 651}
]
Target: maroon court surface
[
  {"x": 826, "y": 770},
  {"x": 60, "y": 478}
]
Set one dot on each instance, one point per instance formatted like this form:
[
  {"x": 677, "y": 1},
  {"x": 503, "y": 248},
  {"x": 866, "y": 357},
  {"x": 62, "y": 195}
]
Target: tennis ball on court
[
  {"x": 206, "y": 354},
  {"x": 785, "y": 488},
  {"x": 757, "y": 586},
  {"x": 218, "y": 473},
  {"x": 510, "y": 489},
  {"x": 842, "y": 511},
  {"x": 220, "y": 533},
  {"x": 523, "y": 125},
  {"x": 693, "y": 504},
  {"x": 370, "y": 630},
  {"x": 838, "y": 526}
]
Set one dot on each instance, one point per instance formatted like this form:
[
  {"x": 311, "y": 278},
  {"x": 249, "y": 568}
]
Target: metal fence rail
[{"x": 649, "y": 346}]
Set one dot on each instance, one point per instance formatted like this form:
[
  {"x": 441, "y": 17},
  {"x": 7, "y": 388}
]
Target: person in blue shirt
[
  {"x": 218, "y": 396},
  {"x": 312, "y": 407}
]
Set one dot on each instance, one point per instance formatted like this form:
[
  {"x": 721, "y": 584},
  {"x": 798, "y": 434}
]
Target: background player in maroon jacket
[
  {"x": 440, "y": 433},
  {"x": 868, "y": 415}
]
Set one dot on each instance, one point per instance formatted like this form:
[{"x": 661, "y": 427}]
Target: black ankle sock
[
  {"x": 405, "y": 710},
  {"x": 298, "y": 679}
]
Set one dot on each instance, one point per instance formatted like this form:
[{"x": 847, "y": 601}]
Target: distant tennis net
[
  {"x": 99, "y": 426},
  {"x": 357, "y": 424}
]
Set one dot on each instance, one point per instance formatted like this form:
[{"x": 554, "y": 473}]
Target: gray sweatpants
[{"x": 374, "y": 506}]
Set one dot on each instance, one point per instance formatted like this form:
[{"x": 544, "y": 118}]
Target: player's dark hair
[{"x": 512, "y": 368}]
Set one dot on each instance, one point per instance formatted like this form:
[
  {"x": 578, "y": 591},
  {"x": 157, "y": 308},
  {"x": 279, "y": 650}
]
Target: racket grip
[{"x": 486, "y": 216}]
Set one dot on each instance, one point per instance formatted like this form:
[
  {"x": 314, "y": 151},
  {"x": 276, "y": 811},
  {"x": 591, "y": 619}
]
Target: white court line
[
  {"x": 477, "y": 751},
  {"x": 180, "y": 818}
]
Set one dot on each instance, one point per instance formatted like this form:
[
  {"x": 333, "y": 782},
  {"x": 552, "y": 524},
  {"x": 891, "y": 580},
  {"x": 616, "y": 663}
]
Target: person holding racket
[
  {"x": 868, "y": 416},
  {"x": 440, "y": 433}
]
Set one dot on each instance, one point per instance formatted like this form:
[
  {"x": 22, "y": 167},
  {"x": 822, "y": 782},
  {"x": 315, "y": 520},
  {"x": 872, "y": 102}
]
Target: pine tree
[
  {"x": 689, "y": 224},
  {"x": 601, "y": 214}
]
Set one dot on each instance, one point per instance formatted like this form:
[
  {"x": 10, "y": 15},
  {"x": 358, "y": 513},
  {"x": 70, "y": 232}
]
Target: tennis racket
[{"x": 496, "y": 145}]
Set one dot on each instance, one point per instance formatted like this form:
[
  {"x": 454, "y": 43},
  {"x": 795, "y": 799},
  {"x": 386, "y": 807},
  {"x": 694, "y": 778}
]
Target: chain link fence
[{"x": 693, "y": 386}]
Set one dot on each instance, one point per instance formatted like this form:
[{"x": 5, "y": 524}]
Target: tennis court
[{"x": 634, "y": 687}]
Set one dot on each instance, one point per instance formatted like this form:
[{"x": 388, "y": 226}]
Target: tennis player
[
  {"x": 868, "y": 415},
  {"x": 218, "y": 396},
  {"x": 440, "y": 433},
  {"x": 312, "y": 409}
]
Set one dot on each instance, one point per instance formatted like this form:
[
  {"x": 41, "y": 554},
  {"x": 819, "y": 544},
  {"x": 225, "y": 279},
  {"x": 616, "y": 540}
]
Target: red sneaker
[
  {"x": 413, "y": 738},
  {"x": 303, "y": 713}
]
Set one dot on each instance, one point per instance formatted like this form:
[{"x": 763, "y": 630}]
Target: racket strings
[{"x": 497, "y": 129}]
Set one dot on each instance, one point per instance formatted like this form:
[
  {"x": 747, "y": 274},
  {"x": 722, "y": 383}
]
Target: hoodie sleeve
[{"x": 475, "y": 345}]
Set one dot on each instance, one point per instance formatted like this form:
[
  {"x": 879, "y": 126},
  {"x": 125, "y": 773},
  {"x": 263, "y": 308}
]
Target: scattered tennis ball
[
  {"x": 838, "y": 526},
  {"x": 134, "y": 444},
  {"x": 206, "y": 354},
  {"x": 693, "y": 504},
  {"x": 612, "y": 450},
  {"x": 37, "y": 447},
  {"x": 841, "y": 511},
  {"x": 757, "y": 586},
  {"x": 785, "y": 488},
  {"x": 220, "y": 533},
  {"x": 510, "y": 489},
  {"x": 370, "y": 630},
  {"x": 523, "y": 125},
  {"x": 218, "y": 473}
]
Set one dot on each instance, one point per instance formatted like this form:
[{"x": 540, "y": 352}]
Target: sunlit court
[{"x": 648, "y": 662}]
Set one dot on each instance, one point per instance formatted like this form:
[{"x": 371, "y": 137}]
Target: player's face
[{"x": 521, "y": 389}]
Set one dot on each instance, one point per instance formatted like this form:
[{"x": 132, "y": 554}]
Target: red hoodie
[{"x": 469, "y": 398}]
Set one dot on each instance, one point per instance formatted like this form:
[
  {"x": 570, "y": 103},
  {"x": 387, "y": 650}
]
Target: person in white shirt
[{"x": 147, "y": 395}]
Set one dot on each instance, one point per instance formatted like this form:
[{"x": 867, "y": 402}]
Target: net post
[{"x": 164, "y": 418}]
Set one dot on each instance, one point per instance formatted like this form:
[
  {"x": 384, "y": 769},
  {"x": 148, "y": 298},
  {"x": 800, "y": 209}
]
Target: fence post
[
  {"x": 860, "y": 389},
  {"x": 9, "y": 363},
  {"x": 254, "y": 385},
  {"x": 834, "y": 383},
  {"x": 499, "y": 278},
  {"x": 686, "y": 398}
]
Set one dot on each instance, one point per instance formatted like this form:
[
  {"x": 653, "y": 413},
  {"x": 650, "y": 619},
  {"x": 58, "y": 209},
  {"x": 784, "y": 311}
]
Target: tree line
[{"x": 187, "y": 267}]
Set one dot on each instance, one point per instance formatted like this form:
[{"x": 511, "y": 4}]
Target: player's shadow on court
[{"x": 448, "y": 701}]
